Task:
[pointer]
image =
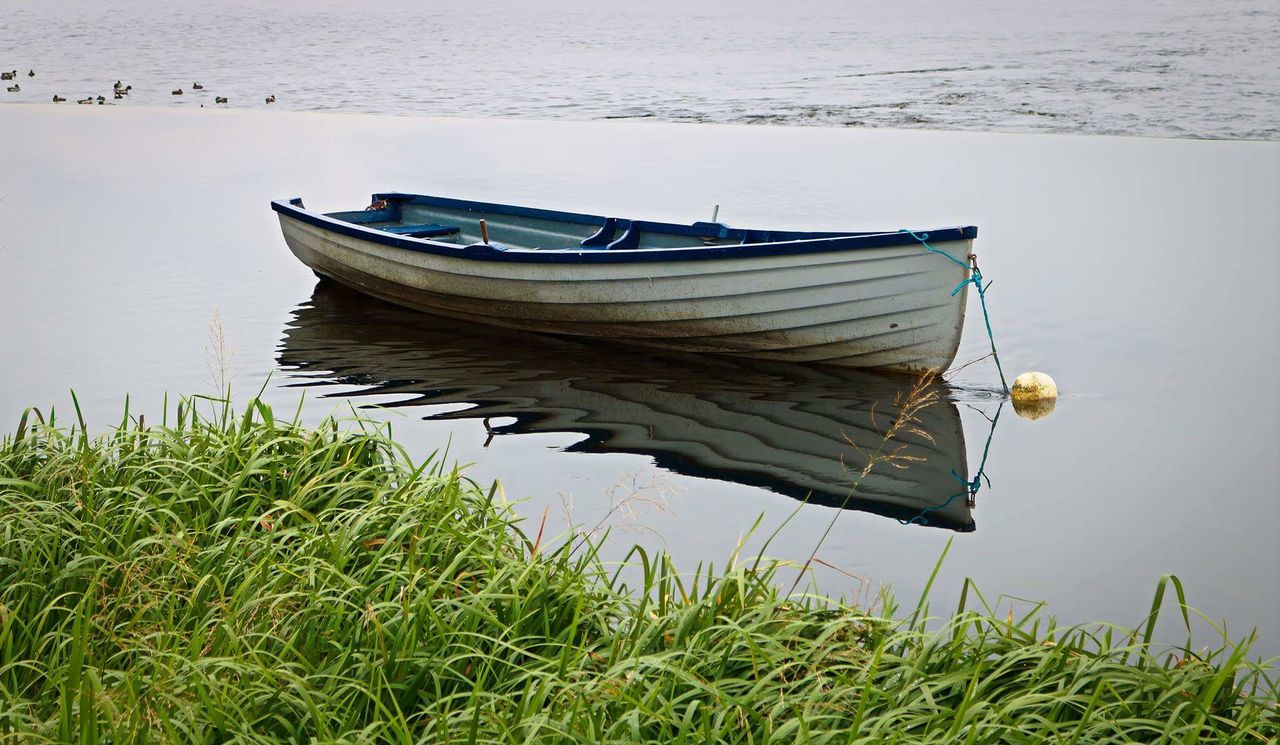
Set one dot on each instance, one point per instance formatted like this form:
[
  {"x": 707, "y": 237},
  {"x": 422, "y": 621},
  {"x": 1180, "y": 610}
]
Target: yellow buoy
[{"x": 1034, "y": 395}]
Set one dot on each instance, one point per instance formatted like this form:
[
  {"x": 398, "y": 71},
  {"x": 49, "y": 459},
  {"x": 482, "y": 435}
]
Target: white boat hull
[{"x": 887, "y": 307}]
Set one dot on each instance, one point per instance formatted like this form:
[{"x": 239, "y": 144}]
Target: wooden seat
[{"x": 426, "y": 230}]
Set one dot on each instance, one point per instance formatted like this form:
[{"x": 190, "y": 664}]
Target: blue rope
[
  {"x": 975, "y": 279},
  {"x": 970, "y": 487},
  {"x": 922, "y": 520}
]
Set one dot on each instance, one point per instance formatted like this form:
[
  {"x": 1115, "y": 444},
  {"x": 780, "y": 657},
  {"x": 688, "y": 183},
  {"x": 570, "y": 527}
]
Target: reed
[{"x": 227, "y": 577}]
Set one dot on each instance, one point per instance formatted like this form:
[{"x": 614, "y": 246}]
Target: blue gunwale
[{"x": 772, "y": 243}]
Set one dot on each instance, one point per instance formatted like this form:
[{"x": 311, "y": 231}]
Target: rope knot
[
  {"x": 972, "y": 485},
  {"x": 975, "y": 279}
]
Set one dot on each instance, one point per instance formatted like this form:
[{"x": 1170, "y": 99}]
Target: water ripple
[{"x": 1161, "y": 68}]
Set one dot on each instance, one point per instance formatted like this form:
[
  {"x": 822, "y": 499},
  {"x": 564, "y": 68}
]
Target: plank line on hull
[
  {"x": 763, "y": 293},
  {"x": 806, "y": 348},
  {"x": 644, "y": 312},
  {"x": 501, "y": 311},
  {"x": 550, "y": 291},
  {"x": 662, "y": 329},
  {"x": 670, "y": 329},
  {"x": 807, "y": 352},
  {"x": 830, "y": 275},
  {"x": 651, "y": 271},
  {"x": 783, "y": 352}
]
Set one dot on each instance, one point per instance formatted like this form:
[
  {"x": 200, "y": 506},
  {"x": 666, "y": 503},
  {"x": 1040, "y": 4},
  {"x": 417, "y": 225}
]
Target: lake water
[
  {"x": 1141, "y": 273},
  {"x": 1178, "y": 68}
]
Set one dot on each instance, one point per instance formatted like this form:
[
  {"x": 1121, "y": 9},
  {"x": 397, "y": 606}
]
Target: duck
[
  {"x": 101, "y": 99},
  {"x": 31, "y": 73},
  {"x": 197, "y": 87},
  {"x": 219, "y": 99},
  {"x": 271, "y": 98},
  {"x": 8, "y": 75},
  {"x": 119, "y": 95},
  {"x": 176, "y": 93},
  {"x": 85, "y": 100},
  {"x": 57, "y": 98},
  {"x": 15, "y": 88}
]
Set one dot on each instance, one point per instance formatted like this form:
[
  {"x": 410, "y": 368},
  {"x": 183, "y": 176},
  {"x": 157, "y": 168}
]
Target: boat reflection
[{"x": 803, "y": 431}]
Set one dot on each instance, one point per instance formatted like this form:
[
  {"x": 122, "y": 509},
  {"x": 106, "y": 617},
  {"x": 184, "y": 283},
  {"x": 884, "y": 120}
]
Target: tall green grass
[{"x": 236, "y": 578}]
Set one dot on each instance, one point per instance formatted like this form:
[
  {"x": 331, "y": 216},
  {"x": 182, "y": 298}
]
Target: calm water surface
[
  {"x": 1140, "y": 273},
  {"x": 1178, "y": 68}
]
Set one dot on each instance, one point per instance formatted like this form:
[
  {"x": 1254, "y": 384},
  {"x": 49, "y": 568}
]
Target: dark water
[
  {"x": 1177, "y": 68},
  {"x": 1140, "y": 273}
]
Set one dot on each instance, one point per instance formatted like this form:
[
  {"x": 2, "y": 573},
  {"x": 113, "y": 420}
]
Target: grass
[{"x": 236, "y": 578}]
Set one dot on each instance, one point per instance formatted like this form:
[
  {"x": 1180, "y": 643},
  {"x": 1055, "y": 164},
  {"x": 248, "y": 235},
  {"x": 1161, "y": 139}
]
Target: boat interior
[{"x": 459, "y": 222}]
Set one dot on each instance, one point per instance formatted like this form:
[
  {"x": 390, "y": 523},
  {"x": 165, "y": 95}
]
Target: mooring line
[
  {"x": 971, "y": 486},
  {"x": 975, "y": 279}
]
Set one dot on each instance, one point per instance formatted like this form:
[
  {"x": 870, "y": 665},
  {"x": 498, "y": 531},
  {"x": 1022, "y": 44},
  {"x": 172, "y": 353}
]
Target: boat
[
  {"x": 851, "y": 299},
  {"x": 801, "y": 431}
]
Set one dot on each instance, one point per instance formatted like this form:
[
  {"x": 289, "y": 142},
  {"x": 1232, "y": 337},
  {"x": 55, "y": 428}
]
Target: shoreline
[
  {"x": 893, "y": 133},
  {"x": 235, "y": 574}
]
